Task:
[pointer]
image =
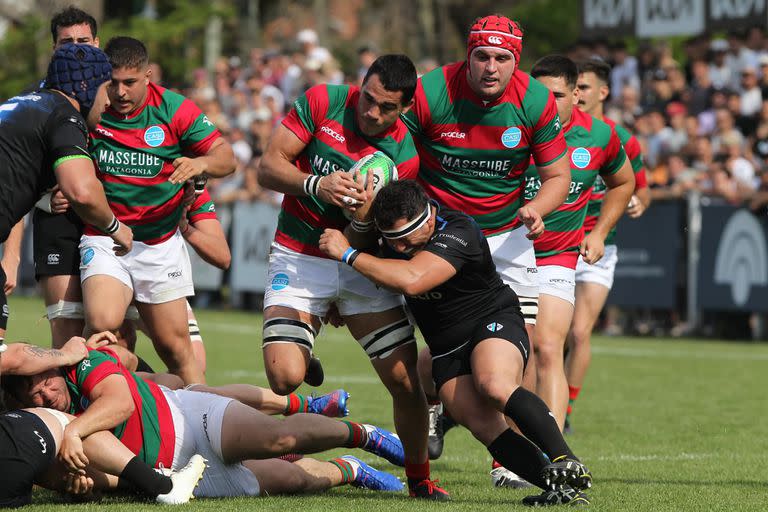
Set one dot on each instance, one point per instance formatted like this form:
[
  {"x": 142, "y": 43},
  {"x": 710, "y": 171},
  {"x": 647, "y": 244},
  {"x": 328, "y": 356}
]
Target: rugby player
[
  {"x": 139, "y": 147},
  {"x": 44, "y": 135},
  {"x": 594, "y": 150},
  {"x": 166, "y": 427},
  {"x": 476, "y": 125},
  {"x": 594, "y": 281},
  {"x": 308, "y": 158},
  {"x": 471, "y": 321}
]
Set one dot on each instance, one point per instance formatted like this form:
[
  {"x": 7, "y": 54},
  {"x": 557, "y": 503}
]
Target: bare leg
[
  {"x": 307, "y": 475},
  {"x": 286, "y": 363},
  {"x": 590, "y": 299},
  {"x": 425, "y": 374},
  {"x": 106, "y": 300},
  {"x": 66, "y": 288},
  {"x": 262, "y": 399}
]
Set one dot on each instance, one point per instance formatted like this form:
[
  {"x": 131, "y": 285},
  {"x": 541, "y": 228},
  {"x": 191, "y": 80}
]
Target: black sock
[
  {"x": 520, "y": 456},
  {"x": 531, "y": 415},
  {"x": 145, "y": 479},
  {"x": 143, "y": 366}
]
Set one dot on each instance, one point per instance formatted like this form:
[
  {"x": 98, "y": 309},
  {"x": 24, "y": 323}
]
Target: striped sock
[
  {"x": 357, "y": 435},
  {"x": 295, "y": 403},
  {"x": 573, "y": 394},
  {"x": 348, "y": 471}
]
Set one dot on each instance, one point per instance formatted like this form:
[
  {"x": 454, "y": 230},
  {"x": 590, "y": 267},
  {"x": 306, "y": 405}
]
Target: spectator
[
  {"x": 674, "y": 137},
  {"x": 725, "y": 127},
  {"x": 365, "y": 57},
  {"x": 310, "y": 47},
  {"x": 740, "y": 169},
  {"x": 701, "y": 87},
  {"x": 751, "y": 95},
  {"x": 719, "y": 69},
  {"x": 624, "y": 72}
]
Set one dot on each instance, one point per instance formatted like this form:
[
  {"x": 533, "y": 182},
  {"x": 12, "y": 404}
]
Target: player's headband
[
  {"x": 497, "y": 32},
  {"x": 410, "y": 226}
]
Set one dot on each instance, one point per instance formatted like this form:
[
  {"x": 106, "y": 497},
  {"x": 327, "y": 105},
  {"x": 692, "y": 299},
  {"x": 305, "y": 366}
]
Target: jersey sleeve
[
  {"x": 202, "y": 208},
  {"x": 67, "y": 137},
  {"x": 307, "y": 112},
  {"x": 548, "y": 140},
  {"x": 615, "y": 156},
  {"x": 456, "y": 242},
  {"x": 99, "y": 365},
  {"x": 634, "y": 153},
  {"x": 196, "y": 132}
]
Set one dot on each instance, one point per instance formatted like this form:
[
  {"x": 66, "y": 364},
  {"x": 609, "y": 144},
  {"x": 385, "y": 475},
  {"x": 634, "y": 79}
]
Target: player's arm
[
  {"x": 26, "y": 359},
  {"x": 111, "y": 404},
  {"x": 641, "y": 199},
  {"x": 218, "y": 161},
  {"x": 207, "y": 239},
  {"x": 620, "y": 186},
  {"x": 12, "y": 256},
  {"x": 410, "y": 277}
]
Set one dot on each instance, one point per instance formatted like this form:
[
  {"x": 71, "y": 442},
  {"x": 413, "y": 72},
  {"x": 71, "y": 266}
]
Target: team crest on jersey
[
  {"x": 511, "y": 137},
  {"x": 154, "y": 136},
  {"x": 580, "y": 158}
]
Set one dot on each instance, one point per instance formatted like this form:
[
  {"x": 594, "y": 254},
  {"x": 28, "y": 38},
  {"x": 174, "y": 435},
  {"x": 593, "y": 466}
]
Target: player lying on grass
[
  {"x": 439, "y": 259},
  {"x": 30, "y": 440},
  {"x": 167, "y": 427}
]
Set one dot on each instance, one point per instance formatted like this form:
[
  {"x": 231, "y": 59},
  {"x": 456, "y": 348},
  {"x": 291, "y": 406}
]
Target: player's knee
[
  {"x": 580, "y": 334},
  {"x": 549, "y": 351},
  {"x": 98, "y": 321},
  {"x": 285, "y": 380},
  {"x": 281, "y": 440},
  {"x": 495, "y": 388}
]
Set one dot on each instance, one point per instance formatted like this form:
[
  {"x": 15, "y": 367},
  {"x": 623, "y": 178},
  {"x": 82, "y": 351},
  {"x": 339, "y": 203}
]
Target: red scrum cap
[{"x": 496, "y": 32}]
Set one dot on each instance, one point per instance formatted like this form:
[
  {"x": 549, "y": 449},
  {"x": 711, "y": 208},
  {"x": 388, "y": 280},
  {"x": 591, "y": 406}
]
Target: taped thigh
[
  {"x": 65, "y": 309},
  {"x": 288, "y": 330},
  {"x": 529, "y": 306},
  {"x": 383, "y": 341}
]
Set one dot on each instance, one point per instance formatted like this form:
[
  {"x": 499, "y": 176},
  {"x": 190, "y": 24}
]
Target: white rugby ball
[{"x": 383, "y": 168}]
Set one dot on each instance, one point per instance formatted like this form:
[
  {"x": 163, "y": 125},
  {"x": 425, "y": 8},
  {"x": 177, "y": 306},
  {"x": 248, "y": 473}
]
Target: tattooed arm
[{"x": 25, "y": 359}]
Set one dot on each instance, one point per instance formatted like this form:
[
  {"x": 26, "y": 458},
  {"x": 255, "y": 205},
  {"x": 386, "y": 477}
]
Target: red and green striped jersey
[
  {"x": 135, "y": 155},
  {"x": 149, "y": 432},
  {"x": 202, "y": 208},
  {"x": 473, "y": 154},
  {"x": 594, "y": 149},
  {"x": 324, "y": 119},
  {"x": 632, "y": 148}
]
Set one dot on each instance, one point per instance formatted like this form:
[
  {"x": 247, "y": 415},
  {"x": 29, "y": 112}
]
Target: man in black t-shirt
[
  {"x": 440, "y": 260},
  {"x": 44, "y": 141}
]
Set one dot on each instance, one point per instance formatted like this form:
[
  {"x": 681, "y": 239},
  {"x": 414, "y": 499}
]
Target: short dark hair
[
  {"x": 126, "y": 52},
  {"x": 69, "y": 17},
  {"x": 599, "y": 67},
  {"x": 556, "y": 66},
  {"x": 396, "y": 72},
  {"x": 14, "y": 386},
  {"x": 404, "y": 199}
]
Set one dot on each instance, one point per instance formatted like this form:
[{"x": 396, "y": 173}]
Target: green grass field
[{"x": 663, "y": 424}]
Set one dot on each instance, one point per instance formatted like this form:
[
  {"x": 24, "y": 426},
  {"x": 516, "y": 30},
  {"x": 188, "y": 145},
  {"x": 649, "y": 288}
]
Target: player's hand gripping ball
[{"x": 377, "y": 165}]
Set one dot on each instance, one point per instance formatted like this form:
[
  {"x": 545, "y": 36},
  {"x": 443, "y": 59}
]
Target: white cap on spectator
[
  {"x": 763, "y": 60},
  {"x": 307, "y": 36},
  {"x": 749, "y": 70},
  {"x": 262, "y": 114},
  {"x": 719, "y": 45}
]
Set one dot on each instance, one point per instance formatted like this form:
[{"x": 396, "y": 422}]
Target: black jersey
[
  {"x": 36, "y": 130},
  {"x": 475, "y": 291}
]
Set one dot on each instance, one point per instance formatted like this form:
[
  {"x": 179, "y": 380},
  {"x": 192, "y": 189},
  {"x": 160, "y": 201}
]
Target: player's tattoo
[{"x": 42, "y": 352}]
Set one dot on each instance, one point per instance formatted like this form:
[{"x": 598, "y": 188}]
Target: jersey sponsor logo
[
  {"x": 12, "y": 415},
  {"x": 87, "y": 255},
  {"x": 494, "y": 327},
  {"x": 135, "y": 164},
  {"x": 5, "y": 108},
  {"x": 42, "y": 441},
  {"x": 333, "y": 133},
  {"x": 557, "y": 124},
  {"x": 26, "y": 97},
  {"x": 495, "y": 40},
  {"x": 280, "y": 282},
  {"x": 532, "y": 186},
  {"x": 104, "y": 132},
  {"x": 323, "y": 166},
  {"x": 511, "y": 137},
  {"x": 452, "y": 237},
  {"x": 532, "y": 270},
  {"x": 453, "y": 135},
  {"x": 154, "y": 136},
  {"x": 580, "y": 158},
  {"x": 574, "y": 192},
  {"x": 175, "y": 274},
  {"x": 205, "y": 426},
  {"x": 477, "y": 168},
  {"x": 53, "y": 258},
  {"x": 428, "y": 296}
]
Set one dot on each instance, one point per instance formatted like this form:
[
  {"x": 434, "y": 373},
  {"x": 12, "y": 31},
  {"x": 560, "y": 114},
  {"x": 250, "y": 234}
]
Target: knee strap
[
  {"x": 288, "y": 330},
  {"x": 383, "y": 341},
  {"x": 65, "y": 309}
]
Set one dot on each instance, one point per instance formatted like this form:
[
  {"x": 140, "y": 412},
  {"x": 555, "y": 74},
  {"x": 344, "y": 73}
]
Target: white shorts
[
  {"x": 601, "y": 272},
  {"x": 515, "y": 261},
  {"x": 311, "y": 284},
  {"x": 156, "y": 273},
  {"x": 198, "y": 430},
  {"x": 558, "y": 281}
]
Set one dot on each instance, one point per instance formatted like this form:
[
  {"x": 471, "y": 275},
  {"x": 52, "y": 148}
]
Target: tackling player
[
  {"x": 328, "y": 130},
  {"x": 594, "y": 150},
  {"x": 594, "y": 281},
  {"x": 139, "y": 147},
  {"x": 440, "y": 260}
]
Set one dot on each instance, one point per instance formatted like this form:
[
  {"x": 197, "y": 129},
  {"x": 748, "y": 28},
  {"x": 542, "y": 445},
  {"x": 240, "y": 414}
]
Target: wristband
[
  {"x": 361, "y": 226},
  {"x": 113, "y": 226},
  {"x": 311, "y": 184},
  {"x": 199, "y": 182},
  {"x": 349, "y": 256}
]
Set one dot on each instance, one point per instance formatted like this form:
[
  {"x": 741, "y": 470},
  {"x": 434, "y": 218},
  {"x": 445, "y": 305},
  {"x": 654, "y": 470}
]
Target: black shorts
[
  {"x": 27, "y": 449},
  {"x": 3, "y": 301},
  {"x": 55, "y": 243},
  {"x": 507, "y": 324}
]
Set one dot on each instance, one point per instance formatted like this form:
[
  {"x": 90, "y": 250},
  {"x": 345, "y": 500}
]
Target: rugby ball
[{"x": 382, "y": 167}]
